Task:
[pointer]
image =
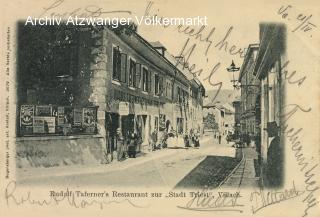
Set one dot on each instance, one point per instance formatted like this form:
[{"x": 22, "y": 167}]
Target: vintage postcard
[{"x": 160, "y": 108}]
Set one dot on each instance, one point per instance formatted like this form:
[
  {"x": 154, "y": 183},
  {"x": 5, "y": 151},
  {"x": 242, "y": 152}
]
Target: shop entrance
[
  {"x": 112, "y": 124},
  {"x": 127, "y": 125}
]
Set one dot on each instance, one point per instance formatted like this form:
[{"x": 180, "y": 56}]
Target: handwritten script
[
  {"x": 301, "y": 22},
  {"x": 221, "y": 202},
  {"x": 13, "y": 198},
  {"x": 84, "y": 12},
  {"x": 261, "y": 199}
]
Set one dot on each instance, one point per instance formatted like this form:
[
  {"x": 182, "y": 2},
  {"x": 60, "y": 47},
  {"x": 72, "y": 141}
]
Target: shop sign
[
  {"x": 60, "y": 116},
  {"x": 77, "y": 117},
  {"x": 26, "y": 115},
  {"x": 43, "y": 124},
  {"x": 89, "y": 117},
  {"x": 123, "y": 108},
  {"x": 44, "y": 110}
]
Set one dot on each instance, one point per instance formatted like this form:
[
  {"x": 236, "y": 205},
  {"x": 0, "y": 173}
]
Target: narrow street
[{"x": 173, "y": 168}]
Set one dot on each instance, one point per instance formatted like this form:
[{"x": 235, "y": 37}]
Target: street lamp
[
  {"x": 232, "y": 68},
  {"x": 236, "y": 82}
]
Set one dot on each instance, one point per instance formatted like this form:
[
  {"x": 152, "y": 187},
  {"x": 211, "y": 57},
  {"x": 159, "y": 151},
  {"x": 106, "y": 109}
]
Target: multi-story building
[
  {"x": 268, "y": 70},
  {"x": 237, "y": 117},
  {"x": 79, "y": 85},
  {"x": 250, "y": 94}
]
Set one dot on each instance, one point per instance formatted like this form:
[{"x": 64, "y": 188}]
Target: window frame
[
  {"x": 133, "y": 84},
  {"x": 144, "y": 83},
  {"x": 118, "y": 78}
]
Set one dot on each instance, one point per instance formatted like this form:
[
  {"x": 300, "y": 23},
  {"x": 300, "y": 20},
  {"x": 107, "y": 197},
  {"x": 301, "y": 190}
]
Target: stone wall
[{"x": 59, "y": 151}]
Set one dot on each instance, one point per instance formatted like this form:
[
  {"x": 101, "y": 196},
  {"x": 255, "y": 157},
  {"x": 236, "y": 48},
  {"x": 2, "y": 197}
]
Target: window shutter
[
  {"x": 134, "y": 68},
  {"x": 116, "y": 64},
  {"x": 123, "y": 76},
  {"x": 149, "y": 81},
  {"x": 161, "y": 85},
  {"x": 138, "y": 75}
]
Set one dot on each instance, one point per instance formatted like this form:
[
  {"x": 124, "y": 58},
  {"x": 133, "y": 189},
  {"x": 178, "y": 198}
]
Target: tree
[{"x": 210, "y": 122}]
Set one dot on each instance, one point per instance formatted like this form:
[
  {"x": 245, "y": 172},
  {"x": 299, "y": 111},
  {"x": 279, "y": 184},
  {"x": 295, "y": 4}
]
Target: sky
[{"x": 232, "y": 23}]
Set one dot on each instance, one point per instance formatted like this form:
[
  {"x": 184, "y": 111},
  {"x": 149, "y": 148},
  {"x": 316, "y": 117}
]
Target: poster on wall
[
  {"x": 44, "y": 124},
  {"x": 77, "y": 117},
  {"x": 26, "y": 115},
  {"x": 89, "y": 119},
  {"x": 26, "y": 119},
  {"x": 38, "y": 125},
  {"x": 44, "y": 110},
  {"x": 60, "y": 120}
]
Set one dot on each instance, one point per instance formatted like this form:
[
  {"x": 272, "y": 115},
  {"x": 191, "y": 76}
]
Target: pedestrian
[
  {"x": 186, "y": 140},
  {"x": 120, "y": 144},
  {"x": 192, "y": 137},
  {"x": 132, "y": 145},
  {"x": 197, "y": 139},
  {"x": 154, "y": 140},
  {"x": 219, "y": 138}
]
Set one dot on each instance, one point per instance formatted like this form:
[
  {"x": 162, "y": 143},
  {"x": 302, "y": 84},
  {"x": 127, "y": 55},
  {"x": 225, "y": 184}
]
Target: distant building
[
  {"x": 237, "y": 117},
  {"x": 250, "y": 94},
  {"x": 224, "y": 116}
]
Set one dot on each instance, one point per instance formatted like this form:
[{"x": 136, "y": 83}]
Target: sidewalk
[
  {"x": 244, "y": 174},
  {"x": 32, "y": 173}
]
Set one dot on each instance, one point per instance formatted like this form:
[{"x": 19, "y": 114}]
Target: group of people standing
[
  {"x": 193, "y": 138},
  {"x": 126, "y": 147}
]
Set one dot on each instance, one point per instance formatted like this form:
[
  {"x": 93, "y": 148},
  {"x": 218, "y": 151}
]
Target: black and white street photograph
[
  {"x": 205, "y": 106},
  {"x": 97, "y": 103}
]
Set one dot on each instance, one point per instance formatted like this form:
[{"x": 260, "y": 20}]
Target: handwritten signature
[
  {"x": 221, "y": 202},
  {"x": 262, "y": 198},
  {"x": 84, "y": 12},
  {"x": 13, "y": 198},
  {"x": 293, "y": 136},
  {"x": 301, "y": 21}
]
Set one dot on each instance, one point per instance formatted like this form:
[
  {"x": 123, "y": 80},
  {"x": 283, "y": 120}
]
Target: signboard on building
[
  {"x": 89, "y": 119},
  {"x": 26, "y": 115},
  {"x": 44, "y": 110},
  {"x": 43, "y": 124},
  {"x": 60, "y": 120},
  {"x": 123, "y": 108},
  {"x": 77, "y": 117},
  {"x": 26, "y": 119}
]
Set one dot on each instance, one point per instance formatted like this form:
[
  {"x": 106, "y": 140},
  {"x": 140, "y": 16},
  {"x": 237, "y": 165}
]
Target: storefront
[{"x": 57, "y": 121}]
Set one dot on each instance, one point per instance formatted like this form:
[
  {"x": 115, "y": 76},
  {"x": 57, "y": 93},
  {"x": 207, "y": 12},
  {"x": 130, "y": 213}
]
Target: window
[
  {"x": 156, "y": 123},
  {"x": 161, "y": 89},
  {"x": 146, "y": 80},
  {"x": 180, "y": 125},
  {"x": 178, "y": 94},
  {"x": 132, "y": 73},
  {"x": 119, "y": 61},
  {"x": 116, "y": 61},
  {"x": 168, "y": 90},
  {"x": 138, "y": 75},
  {"x": 167, "y": 86},
  {"x": 156, "y": 84}
]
